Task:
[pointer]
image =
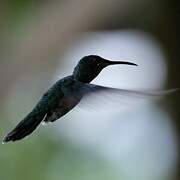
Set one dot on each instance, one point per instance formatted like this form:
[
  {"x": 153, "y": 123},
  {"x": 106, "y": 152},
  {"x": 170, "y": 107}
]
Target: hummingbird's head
[{"x": 90, "y": 66}]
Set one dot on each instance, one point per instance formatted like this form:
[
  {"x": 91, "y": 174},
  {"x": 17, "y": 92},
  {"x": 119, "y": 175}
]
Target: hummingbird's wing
[{"x": 95, "y": 96}]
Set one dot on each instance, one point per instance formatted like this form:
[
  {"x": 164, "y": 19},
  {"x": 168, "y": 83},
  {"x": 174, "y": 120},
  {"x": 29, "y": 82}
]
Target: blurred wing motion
[{"x": 95, "y": 96}]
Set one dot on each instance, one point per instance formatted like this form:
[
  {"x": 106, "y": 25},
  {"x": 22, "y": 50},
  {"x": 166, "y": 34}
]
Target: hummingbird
[{"x": 67, "y": 92}]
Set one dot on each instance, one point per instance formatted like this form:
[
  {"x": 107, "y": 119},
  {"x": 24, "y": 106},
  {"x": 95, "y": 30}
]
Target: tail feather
[{"x": 24, "y": 128}]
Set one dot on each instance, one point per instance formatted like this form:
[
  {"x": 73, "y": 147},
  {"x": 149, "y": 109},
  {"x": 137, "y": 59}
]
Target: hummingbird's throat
[{"x": 86, "y": 75}]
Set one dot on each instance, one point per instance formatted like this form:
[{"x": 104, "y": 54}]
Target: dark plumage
[{"x": 66, "y": 93}]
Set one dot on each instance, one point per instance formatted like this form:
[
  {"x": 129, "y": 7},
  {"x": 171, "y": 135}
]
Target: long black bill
[{"x": 120, "y": 62}]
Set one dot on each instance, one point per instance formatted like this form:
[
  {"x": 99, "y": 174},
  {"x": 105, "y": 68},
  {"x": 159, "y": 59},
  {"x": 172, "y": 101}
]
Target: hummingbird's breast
[{"x": 70, "y": 98}]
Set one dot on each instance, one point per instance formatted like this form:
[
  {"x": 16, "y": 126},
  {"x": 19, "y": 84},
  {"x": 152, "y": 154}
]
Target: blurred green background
[{"x": 34, "y": 37}]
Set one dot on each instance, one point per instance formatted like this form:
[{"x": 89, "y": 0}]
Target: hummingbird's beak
[{"x": 120, "y": 62}]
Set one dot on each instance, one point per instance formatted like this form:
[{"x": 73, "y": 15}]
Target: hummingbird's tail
[{"x": 25, "y": 127}]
